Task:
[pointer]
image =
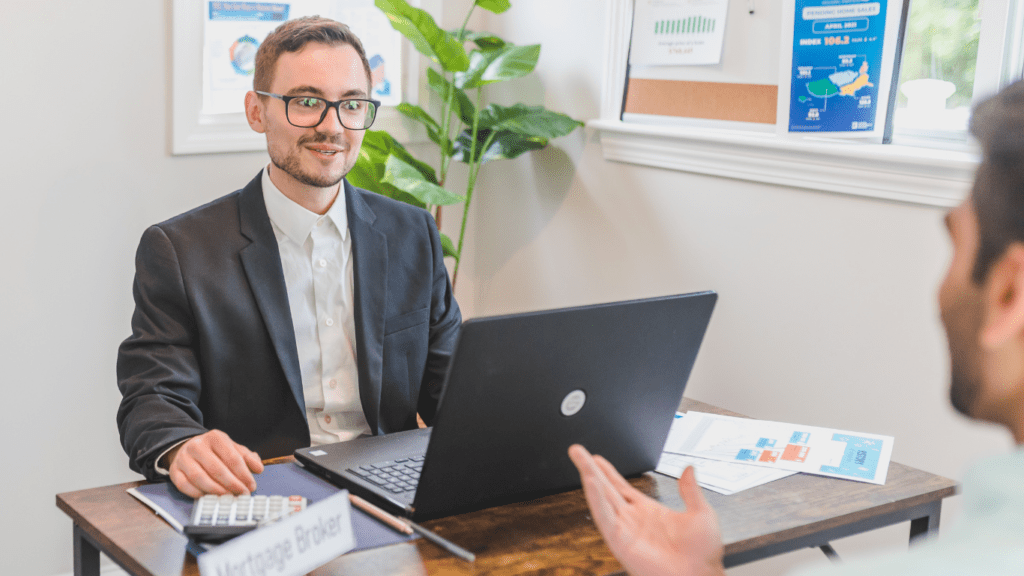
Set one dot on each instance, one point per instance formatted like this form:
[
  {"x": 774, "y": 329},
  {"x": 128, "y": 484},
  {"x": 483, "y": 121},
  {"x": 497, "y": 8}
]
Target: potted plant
[{"x": 466, "y": 130}]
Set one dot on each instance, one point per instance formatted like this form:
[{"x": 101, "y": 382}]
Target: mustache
[{"x": 321, "y": 138}]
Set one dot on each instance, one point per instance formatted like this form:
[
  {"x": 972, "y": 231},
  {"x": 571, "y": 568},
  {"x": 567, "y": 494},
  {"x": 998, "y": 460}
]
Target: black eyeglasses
[{"x": 310, "y": 111}]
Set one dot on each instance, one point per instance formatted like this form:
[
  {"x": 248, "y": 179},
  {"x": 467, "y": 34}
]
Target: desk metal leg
[
  {"x": 86, "y": 554},
  {"x": 926, "y": 527}
]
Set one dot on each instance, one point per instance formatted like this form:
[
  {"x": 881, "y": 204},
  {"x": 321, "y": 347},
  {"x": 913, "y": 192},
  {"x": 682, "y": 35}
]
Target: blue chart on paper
[
  {"x": 249, "y": 11},
  {"x": 837, "y": 57},
  {"x": 860, "y": 459}
]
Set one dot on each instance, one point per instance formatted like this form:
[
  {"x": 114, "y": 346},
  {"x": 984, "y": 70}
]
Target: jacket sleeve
[
  {"x": 445, "y": 322},
  {"x": 158, "y": 366}
]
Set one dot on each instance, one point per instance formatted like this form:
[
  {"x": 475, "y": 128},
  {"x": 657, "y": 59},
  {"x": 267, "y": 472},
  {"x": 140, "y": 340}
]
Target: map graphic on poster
[{"x": 837, "y": 56}]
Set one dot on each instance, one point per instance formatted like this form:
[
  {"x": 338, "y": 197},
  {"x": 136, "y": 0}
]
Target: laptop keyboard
[{"x": 395, "y": 476}]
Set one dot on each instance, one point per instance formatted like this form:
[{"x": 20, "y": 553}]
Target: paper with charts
[
  {"x": 725, "y": 478},
  {"x": 823, "y": 451}
]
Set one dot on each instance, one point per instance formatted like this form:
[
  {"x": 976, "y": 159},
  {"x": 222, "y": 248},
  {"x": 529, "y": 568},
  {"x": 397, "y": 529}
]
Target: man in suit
[
  {"x": 296, "y": 310},
  {"x": 982, "y": 305}
]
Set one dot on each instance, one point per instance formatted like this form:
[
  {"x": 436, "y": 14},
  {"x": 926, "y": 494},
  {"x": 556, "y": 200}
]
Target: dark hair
[
  {"x": 292, "y": 36},
  {"x": 998, "y": 194}
]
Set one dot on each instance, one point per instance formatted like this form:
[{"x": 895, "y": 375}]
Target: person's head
[
  {"x": 309, "y": 57},
  {"x": 982, "y": 296}
]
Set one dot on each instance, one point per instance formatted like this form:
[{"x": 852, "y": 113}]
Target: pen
[
  {"x": 407, "y": 527},
  {"x": 443, "y": 543}
]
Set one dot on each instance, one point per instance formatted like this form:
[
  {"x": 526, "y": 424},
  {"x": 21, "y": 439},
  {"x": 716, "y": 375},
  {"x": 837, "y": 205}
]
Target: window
[{"x": 953, "y": 56}]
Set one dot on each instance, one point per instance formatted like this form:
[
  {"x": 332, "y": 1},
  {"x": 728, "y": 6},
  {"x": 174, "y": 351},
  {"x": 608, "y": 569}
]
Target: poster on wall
[
  {"x": 839, "y": 62},
  {"x": 233, "y": 32},
  {"x": 678, "y": 32}
]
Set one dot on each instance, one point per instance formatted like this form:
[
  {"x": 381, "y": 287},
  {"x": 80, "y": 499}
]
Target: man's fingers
[
  {"x": 228, "y": 465},
  {"x": 690, "y": 492},
  {"x": 182, "y": 483},
  {"x": 620, "y": 484},
  {"x": 598, "y": 494},
  {"x": 191, "y": 478},
  {"x": 590, "y": 470},
  {"x": 252, "y": 459}
]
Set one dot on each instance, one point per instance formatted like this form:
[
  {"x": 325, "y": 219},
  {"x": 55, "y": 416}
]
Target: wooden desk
[{"x": 796, "y": 512}]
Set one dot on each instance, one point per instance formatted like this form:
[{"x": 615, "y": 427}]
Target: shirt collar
[{"x": 295, "y": 221}]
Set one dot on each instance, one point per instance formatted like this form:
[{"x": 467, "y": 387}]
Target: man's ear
[
  {"x": 1004, "y": 298},
  {"x": 254, "y": 112}
]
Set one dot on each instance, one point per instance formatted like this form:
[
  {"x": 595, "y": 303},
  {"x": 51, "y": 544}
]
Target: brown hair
[
  {"x": 293, "y": 35},
  {"x": 998, "y": 195}
]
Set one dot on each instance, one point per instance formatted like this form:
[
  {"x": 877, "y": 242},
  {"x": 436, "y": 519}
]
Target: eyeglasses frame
[{"x": 336, "y": 105}]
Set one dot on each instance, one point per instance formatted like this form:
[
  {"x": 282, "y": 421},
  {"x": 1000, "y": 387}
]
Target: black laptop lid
[{"x": 523, "y": 388}]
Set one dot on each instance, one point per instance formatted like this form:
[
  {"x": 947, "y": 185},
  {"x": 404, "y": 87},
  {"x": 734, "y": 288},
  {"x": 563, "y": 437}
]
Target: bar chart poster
[
  {"x": 836, "y": 71},
  {"x": 678, "y": 32}
]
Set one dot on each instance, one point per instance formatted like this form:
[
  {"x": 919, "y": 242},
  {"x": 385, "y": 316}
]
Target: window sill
[{"x": 926, "y": 176}]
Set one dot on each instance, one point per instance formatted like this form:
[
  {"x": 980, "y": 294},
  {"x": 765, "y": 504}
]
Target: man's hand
[
  {"x": 648, "y": 538},
  {"x": 212, "y": 463}
]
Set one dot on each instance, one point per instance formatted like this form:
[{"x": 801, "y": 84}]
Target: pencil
[
  {"x": 406, "y": 527},
  {"x": 379, "y": 514}
]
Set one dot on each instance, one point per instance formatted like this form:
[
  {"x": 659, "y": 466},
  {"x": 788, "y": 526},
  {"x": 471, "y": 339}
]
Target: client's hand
[
  {"x": 212, "y": 463},
  {"x": 648, "y": 538}
]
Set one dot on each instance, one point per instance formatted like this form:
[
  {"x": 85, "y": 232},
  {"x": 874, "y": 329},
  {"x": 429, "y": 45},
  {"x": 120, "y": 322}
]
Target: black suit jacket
[{"x": 212, "y": 344}]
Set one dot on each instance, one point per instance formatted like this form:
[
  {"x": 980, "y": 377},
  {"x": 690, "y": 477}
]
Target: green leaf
[
  {"x": 464, "y": 107},
  {"x": 534, "y": 121},
  {"x": 498, "y": 65},
  {"x": 364, "y": 173},
  {"x": 382, "y": 145},
  {"x": 405, "y": 177},
  {"x": 484, "y": 40},
  {"x": 429, "y": 39},
  {"x": 421, "y": 116},
  {"x": 496, "y": 6},
  {"x": 384, "y": 166},
  {"x": 448, "y": 247},
  {"x": 504, "y": 145}
]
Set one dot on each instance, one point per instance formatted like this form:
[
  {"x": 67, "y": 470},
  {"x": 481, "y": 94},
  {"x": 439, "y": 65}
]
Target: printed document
[
  {"x": 678, "y": 32},
  {"x": 779, "y": 446}
]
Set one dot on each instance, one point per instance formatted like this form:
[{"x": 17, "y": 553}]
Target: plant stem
[
  {"x": 474, "y": 169},
  {"x": 446, "y": 126}
]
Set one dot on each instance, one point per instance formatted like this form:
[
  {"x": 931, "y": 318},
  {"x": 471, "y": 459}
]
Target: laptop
[{"x": 519, "y": 391}]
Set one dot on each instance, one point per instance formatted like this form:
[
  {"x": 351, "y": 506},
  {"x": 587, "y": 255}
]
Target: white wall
[{"x": 826, "y": 310}]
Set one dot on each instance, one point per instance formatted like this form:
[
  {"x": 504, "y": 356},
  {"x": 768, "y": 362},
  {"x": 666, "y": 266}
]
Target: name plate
[{"x": 296, "y": 545}]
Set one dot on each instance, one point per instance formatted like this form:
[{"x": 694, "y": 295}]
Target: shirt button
[
  {"x": 333, "y": 383},
  {"x": 323, "y": 263},
  {"x": 327, "y": 419},
  {"x": 320, "y": 222},
  {"x": 329, "y": 321}
]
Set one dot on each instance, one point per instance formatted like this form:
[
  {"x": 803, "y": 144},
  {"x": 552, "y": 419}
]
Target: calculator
[{"x": 218, "y": 518}]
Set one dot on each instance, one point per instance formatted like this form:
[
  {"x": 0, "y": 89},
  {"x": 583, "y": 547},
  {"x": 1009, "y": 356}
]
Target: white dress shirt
[{"x": 316, "y": 256}]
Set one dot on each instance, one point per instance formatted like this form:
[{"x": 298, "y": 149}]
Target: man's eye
[
  {"x": 309, "y": 102},
  {"x": 352, "y": 105}
]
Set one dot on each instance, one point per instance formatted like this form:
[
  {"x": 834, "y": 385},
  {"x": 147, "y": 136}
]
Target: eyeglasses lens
[{"x": 354, "y": 114}]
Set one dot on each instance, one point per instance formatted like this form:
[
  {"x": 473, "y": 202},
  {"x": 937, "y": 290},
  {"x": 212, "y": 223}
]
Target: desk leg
[
  {"x": 86, "y": 555},
  {"x": 926, "y": 527}
]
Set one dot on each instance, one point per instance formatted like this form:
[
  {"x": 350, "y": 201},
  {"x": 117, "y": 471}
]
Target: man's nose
[{"x": 331, "y": 123}]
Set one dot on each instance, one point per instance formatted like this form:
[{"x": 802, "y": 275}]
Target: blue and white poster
[
  {"x": 839, "y": 77},
  {"x": 233, "y": 31}
]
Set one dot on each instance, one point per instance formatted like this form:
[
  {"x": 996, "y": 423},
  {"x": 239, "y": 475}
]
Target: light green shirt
[{"x": 987, "y": 540}]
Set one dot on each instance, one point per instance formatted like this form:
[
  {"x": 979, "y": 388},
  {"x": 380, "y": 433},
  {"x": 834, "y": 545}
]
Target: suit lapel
[
  {"x": 262, "y": 263},
  {"x": 369, "y": 271}
]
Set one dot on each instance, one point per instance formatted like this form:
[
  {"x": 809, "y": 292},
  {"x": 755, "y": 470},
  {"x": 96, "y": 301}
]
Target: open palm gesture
[{"x": 648, "y": 538}]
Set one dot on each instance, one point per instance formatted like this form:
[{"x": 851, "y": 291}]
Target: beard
[
  {"x": 963, "y": 392},
  {"x": 963, "y": 326},
  {"x": 291, "y": 165}
]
